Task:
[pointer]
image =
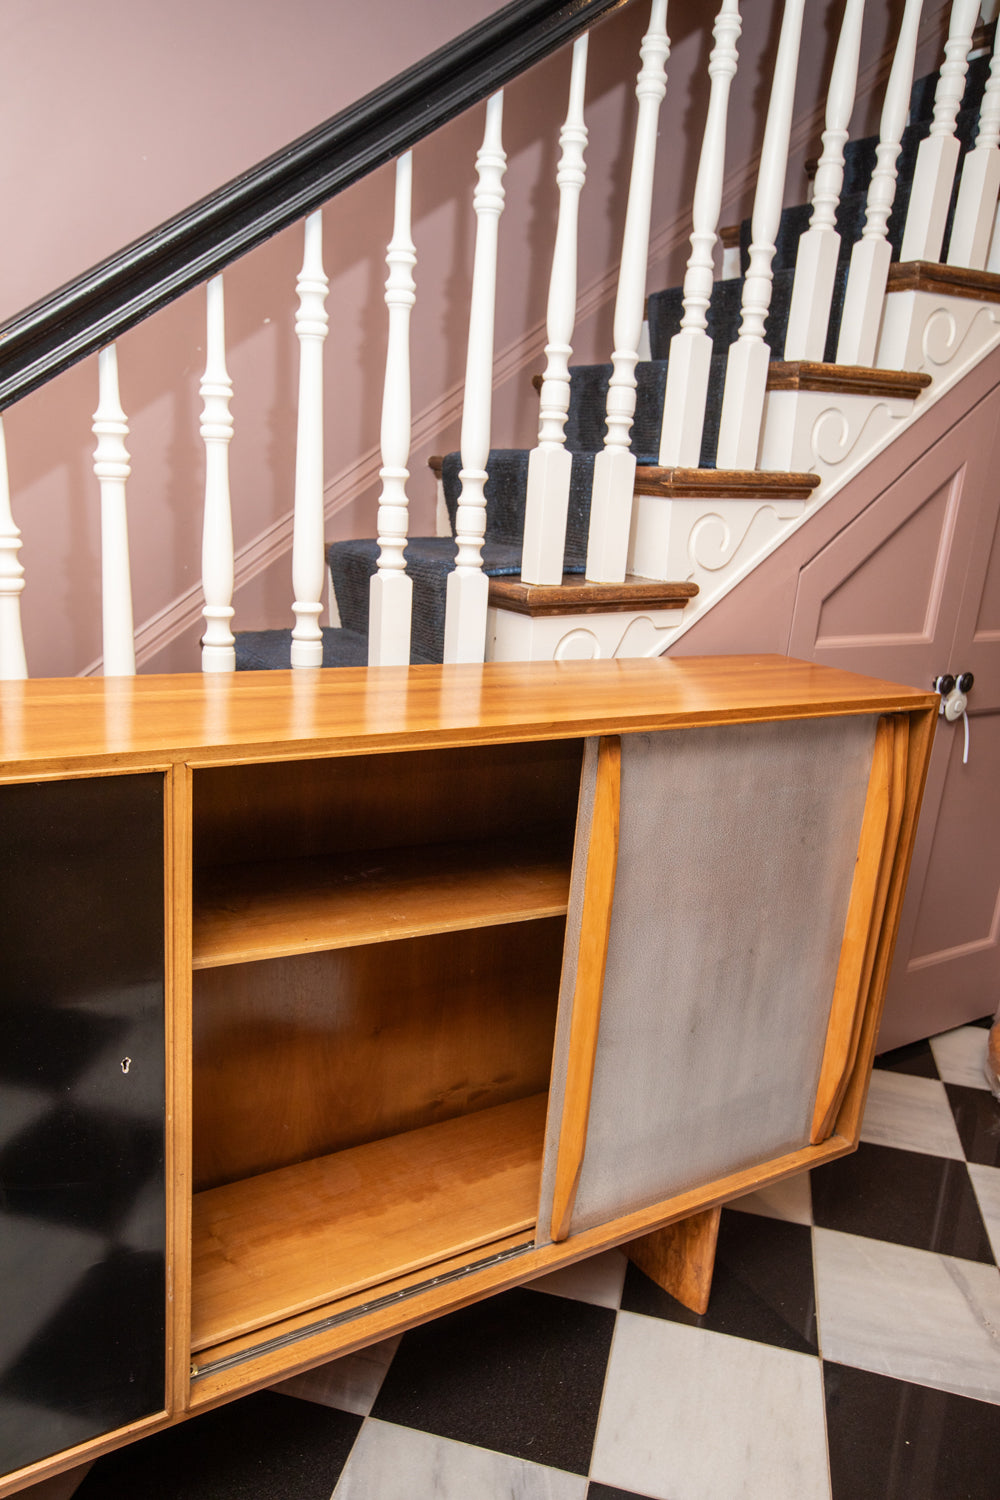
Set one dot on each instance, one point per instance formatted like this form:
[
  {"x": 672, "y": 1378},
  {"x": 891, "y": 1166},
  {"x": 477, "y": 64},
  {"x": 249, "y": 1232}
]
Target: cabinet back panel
[
  {"x": 82, "y": 1290},
  {"x": 717, "y": 993},
  {"x": 315, "y": 807},
  {"x": 297, "y": 1057}
]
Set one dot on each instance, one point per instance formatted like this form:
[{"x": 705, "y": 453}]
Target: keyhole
[{"x": 126, "y": 1064}]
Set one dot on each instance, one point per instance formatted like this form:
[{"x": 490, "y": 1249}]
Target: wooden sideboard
[{"x": 332, "y": 1001}]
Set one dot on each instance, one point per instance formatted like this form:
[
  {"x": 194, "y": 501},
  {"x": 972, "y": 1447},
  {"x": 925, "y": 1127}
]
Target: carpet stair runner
[{"x": 430, "y": 559}]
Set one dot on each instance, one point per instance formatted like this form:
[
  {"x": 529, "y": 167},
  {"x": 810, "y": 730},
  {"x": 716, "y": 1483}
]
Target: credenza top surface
[{"x": 49, "y": 724}]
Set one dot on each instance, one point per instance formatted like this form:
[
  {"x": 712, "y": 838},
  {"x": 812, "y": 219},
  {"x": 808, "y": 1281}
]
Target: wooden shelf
[
  {"x": 272, "y": 1246},
  {"x": 251, "y": 912}
]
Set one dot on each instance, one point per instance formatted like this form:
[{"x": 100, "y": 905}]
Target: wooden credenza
[{"x": 332, "y": 1001}]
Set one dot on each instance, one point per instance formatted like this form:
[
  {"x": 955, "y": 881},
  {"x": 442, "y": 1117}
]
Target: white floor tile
[
  {"x": 693, "y": 1415},
  {"x": 960, "y": 1055},
  {"x": 790, "y": 1199},
  {"x": 397, "y": 1463},
  {"x": 348, "y": 1384},
  {"x": 912, "y": 1114},
  {"x": 599, "y": 1279},
  {"x": 986, "y": 1181},
  {"x": 912, "y": 1314}
]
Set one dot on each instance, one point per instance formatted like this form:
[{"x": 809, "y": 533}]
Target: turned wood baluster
[
  {"x": 111, "y": 467},
  {"x": 549, "y": 464},
  {"x": 746, "y": 367},
  {"x": 13, "y": 663},
  {"x": 614, "y": 467},
  {"x": 308, "y": 561},
  {"x": 218, "y": 646},
  {"x": 937, "y": 158},
  {"x": 468, "y": 586},
  {"x": 819, "y": 247},
  {"x": 872, "y": 253},
  {"x": 391, "y": 595},
  {"x": 691, "y": 348},
  {"x": 976, "y": 207}
]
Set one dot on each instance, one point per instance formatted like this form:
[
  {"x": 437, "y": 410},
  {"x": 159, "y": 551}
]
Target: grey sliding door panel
[{"x": 736, "y": 854}]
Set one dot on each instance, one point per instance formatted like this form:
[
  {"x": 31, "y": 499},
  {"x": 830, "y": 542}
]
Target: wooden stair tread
[
  {"x": 723, "y": 484},
  {"x": 271, "y": 1246},
  {"x": 854, "y": 380},
  {"x": 275, "y": 909},
  {"x": 577, "y": 596},
  {"x": 950, "y": 281}
]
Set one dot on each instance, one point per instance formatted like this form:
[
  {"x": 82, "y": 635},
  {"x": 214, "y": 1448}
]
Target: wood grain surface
[
  {"x": 253, "y": 912},
  {"x": 681, "y": 1257},
  {"x": 62, "y": 726},
  {"x": 299, "y": 1057},
  {"x": 585, "y": 1022},
  {"x": 849, "y": 380},
  {"x": 274, "y": 1245}
]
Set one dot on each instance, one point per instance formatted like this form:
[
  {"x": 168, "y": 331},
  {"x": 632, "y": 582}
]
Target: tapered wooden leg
[
  {"x": 681, "y": 1257},
  {"x": 993, "y": 1058}
]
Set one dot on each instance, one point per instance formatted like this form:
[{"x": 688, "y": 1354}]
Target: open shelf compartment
[
  {"x": 267, "y": 910},
  {"x": 271, "y": 1246}
]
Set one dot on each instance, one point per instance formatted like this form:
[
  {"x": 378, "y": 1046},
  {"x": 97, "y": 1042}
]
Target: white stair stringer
[
  {"x": 716, "y": 542},
  {"x": 511, "y": 636}
]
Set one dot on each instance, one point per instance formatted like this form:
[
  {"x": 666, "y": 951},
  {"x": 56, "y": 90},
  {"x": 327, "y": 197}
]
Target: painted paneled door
[{"x": 908, "y": 591}]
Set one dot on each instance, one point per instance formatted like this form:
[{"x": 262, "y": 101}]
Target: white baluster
[
  {"x": 218, "y": 647},
  {"x": 976, "y": 206},
  {"x": 937, "y": 158},
  {"x": 691, "y": 347},
  {"x": 819, "y": 247},
  {"x": 746, "y": 367},
  {"x": 308, "y": 562},
  {"x": 391, "y": 595},
  {"x": 13, "y": 664},
  {"x": 614, "y": 466},
  {"x": 550, "y": 464},
  {"x": 468, "y": 586},
  {"x": 111, "y": 466},
  {"x": 872, "y": 253}
]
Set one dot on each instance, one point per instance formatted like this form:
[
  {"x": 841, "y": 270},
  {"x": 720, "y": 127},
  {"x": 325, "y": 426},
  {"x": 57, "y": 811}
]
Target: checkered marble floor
[{"x": 851, "y": 1350}]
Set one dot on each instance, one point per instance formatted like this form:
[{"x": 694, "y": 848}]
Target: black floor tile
[
  {"x": 262, "y": 1447},
  {"x": 904, "y": 1197},
  {"x": 917, "y": 1058},
  {"x": 521, "y": 1373},
  {"x": 605, "y": 1492},
  {"x": 762, "y": 1287},
  {"x": 977, "y": 1115},
  {"x": 890, "y": 1440}
]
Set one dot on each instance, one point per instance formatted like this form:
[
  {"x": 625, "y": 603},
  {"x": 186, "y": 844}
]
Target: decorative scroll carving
[
  {"x": 718, "y": 541},
  {"x": 837, "y": 433}
]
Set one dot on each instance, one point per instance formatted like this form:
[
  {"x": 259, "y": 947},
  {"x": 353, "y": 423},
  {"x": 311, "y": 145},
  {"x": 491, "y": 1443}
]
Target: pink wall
[
  {"x": 48, "y": 436},
  {"x": 123, "y": 112}
]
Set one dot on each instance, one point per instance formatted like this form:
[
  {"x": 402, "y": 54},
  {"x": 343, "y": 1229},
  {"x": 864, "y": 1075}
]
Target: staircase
[
  {"x": 759, "y": 396},
  {"x": 430, "y": 559}
]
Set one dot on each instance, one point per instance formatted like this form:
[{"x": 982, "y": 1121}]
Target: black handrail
[{"x": 98, "y": 306}]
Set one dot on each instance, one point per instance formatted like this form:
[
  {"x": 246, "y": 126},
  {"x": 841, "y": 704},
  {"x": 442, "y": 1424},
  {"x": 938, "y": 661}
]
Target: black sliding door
[{"x": 81, "y": 1111}]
